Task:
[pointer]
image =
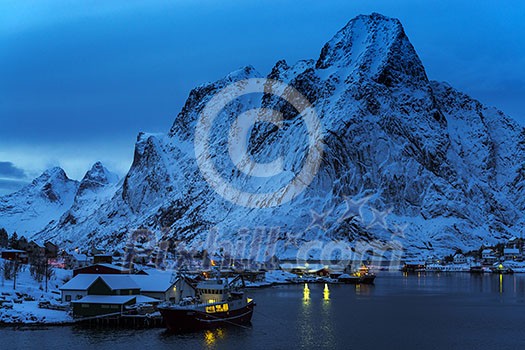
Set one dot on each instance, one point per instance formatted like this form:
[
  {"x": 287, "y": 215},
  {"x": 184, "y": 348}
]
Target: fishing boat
[
  {"x": 216, "y": 303},
  {"x": 365, "y": 276},
  {"x": 361, "y": 276},
  {"x": 502, "y": 270}
]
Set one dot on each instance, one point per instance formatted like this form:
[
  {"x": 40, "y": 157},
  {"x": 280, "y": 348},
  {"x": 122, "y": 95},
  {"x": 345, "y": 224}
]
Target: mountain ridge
[{"x": 444, "y": 167}]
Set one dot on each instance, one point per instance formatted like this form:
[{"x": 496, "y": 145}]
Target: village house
[
  {"x": 22, "y": 244},
  {"x": 76, "y": 288},
  {"x": 51, "y": 249},
  {"x": 97, "y": 305},
  {"x": 184, "y": 288},
  {"x": 103, "y": 259},
  {"x": 158, "y": 286},
  {"x": 73, "y": 260},
  {"x": 488, "y": 257},
  {"x": 15, "y": 255},
  {"x": 93, "y": 295},
  {"x": 36, "y": 249},
  {"x": 459, "y": 259},
  {"x": 511, "y": 254}
]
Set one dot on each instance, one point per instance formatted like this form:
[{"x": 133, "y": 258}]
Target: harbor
[{"x": 297, "y": 317}]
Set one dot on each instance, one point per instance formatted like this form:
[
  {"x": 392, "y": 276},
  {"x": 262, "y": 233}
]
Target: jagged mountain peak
[
  {"x": 98, "y": 176},
  {"x": 49, "y": 185},
  {"x": 51, "y": 174},
  {"x": 32, "y": 207},
  {"x": 101, "y": 174},
  {"x": 373, "y": 46}
]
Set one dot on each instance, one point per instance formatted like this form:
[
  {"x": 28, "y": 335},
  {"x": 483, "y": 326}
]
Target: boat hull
[
  {"x": 187, "y": 319},
  {"x": 369, "y": 279}
]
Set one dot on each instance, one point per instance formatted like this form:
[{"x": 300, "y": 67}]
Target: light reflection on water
[{"x": 443, "y": 310}]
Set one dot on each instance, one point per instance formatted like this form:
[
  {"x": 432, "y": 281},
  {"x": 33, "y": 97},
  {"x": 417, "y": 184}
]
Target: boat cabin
[{"x": 211, "y": 292}]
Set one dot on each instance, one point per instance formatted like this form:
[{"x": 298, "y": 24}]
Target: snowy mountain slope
[
  {"x": 30, "y": 209},
  {"x": 96, "y": 187},
  {"x": 430, "y": 156}
]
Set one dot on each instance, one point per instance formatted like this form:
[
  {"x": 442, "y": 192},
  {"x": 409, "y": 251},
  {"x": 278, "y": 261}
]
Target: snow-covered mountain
[
  {"x": 437, "y": 169},
  {"x": 53, "y": 199},
  {"x": 30, "y": 209},
  {"x": 96, "y": 187}
]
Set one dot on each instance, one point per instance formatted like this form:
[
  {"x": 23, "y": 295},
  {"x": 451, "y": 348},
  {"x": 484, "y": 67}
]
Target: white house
[
  {"x": 511, "y": 253},
  {"x": 488, "y": 256},
  {"x": 184, "y": 288},
  {"x": 459, "y": 259},
  {"x": 76, "y": 288},
  {"x": 75, "y": 260},
  {"x": 158, "y": 286}
]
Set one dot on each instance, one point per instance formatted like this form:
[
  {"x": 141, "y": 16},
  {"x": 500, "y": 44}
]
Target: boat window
[
  {"x": 210, "y": 309},
  {"x": 221, "y": 308}
]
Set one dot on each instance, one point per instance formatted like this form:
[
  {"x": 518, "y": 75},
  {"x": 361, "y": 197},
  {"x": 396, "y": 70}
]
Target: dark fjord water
[{"x": 432, "y": 311}]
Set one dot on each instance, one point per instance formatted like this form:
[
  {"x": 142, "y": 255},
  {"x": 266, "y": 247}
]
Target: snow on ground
[
  {"x": 20, "y": 305},
  {"x": 272, "y": 278}
]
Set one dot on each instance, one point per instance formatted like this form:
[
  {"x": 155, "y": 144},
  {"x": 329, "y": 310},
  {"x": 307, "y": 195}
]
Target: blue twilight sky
[{"x": 79, "y": 79}]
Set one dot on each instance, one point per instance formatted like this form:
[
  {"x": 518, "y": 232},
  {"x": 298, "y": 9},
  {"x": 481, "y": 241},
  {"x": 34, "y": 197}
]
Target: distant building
[
  {"x": 158, "y": 286},
  {"x": 15, "y": 255},
  {"x": 93, "y": 295},
  {"x": 77, "y": 287},
  {"x": 36, "y": 249},
  {"x": 488, "y": 257},
  {"x": 51, "y": 249},
  {"x": 511, "y": 254},
  {"x": 460, "y": 259},
  {"x": 103, "y": 259},
  {"x": 98, "y": 269},
  {"x": 74, "y": 260},
  {"x": 413, "y": 266}
]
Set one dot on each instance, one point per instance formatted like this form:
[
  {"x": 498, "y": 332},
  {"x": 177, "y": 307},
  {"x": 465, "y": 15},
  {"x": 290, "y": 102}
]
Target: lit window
[
  {"x": 221, "y": 308},
  {"x": 210, "y": 309}
]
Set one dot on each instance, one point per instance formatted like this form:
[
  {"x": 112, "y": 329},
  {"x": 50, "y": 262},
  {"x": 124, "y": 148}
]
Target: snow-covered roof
[
  {"x": 306, "y": 267},
  {"x": 119, "y": 282},
  {"x": 80, "y": 257},
  {"x": 84, "y": 281},
  {"x": 105, "y": 299},
  {"x": 153, "y": 283},
  {"x": 112, "y": 266},
  {"x": 79, "y": 282},
  {"x": 487, "y": 251},
  {"x": 145, "y": 299},
  {"x": 13, "y": 251},
  {"x": 511, "y": 251},
  {"x": 38, "y": 243}
]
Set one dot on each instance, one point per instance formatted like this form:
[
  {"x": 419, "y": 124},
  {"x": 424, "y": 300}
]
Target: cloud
[
  {"x": 9, "y": 186},
  {"x": 10, "y": 171}
]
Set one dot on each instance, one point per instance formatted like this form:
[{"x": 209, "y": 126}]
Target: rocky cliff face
[{"x": 447, "y": 170}]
